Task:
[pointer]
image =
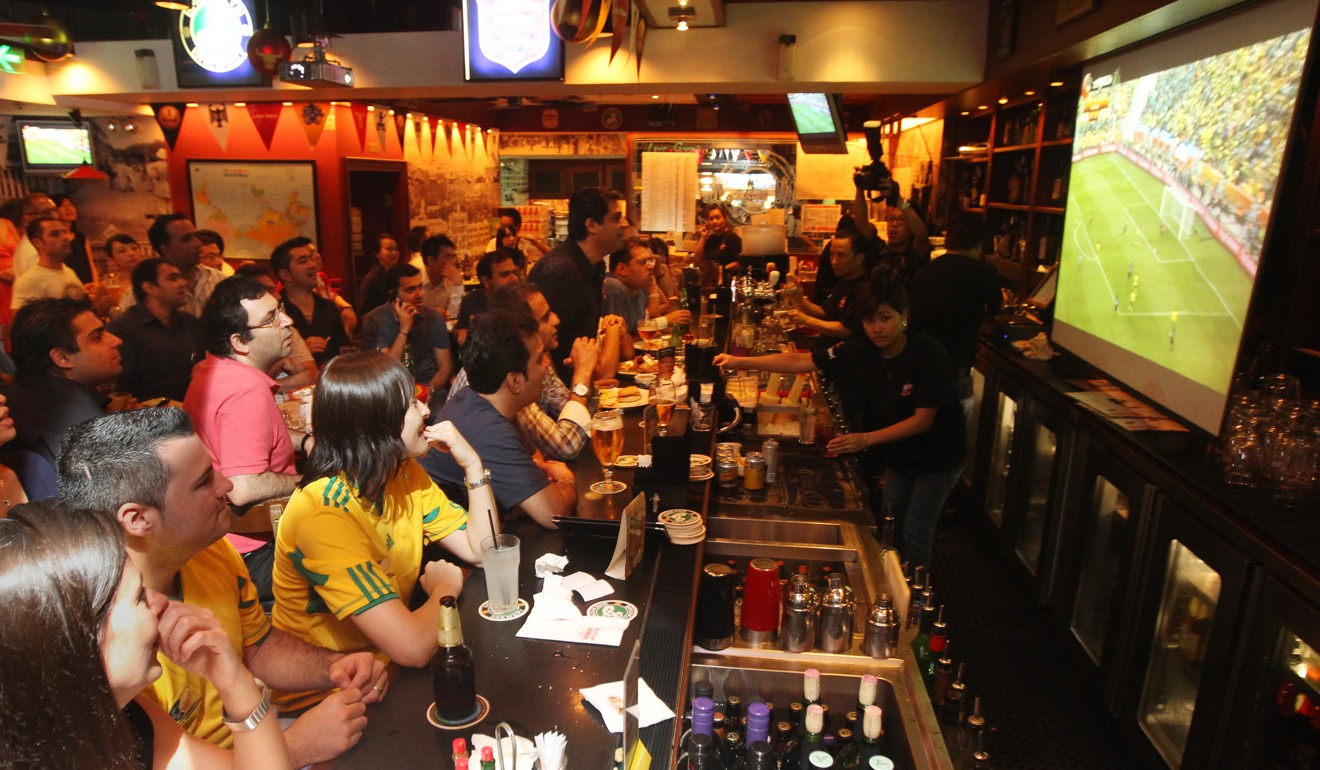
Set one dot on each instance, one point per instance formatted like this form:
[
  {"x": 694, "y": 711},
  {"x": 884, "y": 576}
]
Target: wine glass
[
  {"x": 607, "y": 443},
  {"x": 663, "y": 396}
]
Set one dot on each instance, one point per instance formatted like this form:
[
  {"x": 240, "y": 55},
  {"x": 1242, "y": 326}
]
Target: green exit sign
[{"x": 11, "y": 60}]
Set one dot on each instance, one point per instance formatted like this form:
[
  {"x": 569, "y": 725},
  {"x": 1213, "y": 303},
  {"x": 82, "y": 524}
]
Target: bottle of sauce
[{"x": 453, "y": 678}]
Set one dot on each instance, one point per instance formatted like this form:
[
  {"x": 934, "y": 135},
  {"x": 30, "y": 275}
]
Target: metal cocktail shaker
[
  {"x": 714, "y": 617},
  {"x": 881, "y": 640},
  {"x": 834, "y": 633},
  {"x": 797, "y": 630},
  {"x": 760, "y": 610}
]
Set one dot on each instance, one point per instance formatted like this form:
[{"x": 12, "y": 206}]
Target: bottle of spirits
[
  {"x": 453, "y": 677},
  {"x": 760, "y": 756},
  {"x": 921, "y": 642},
  {"x": 874, "y": 750},
  {"x": 733, "y": 712},
  {"x": 943, "y": 679},
  {"x": 951, "y": 711},
  {"x": 939, "y": 636},
  {"x": 812, "y": 751},
  {"x": 702, "y": 753},
  {"x": 786, "y": 743},
  {"x": 847, "y": 753},
  {"x": 733, "y": 752}
]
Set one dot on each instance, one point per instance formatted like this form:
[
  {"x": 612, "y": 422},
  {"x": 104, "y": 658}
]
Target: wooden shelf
[
  {"x": 982, "y": 158},
  {"x": 1009, "y": 206},
  {"x": 1057, "y": 142},
  {"x": 1049, "y": 210},
  {"x": 1015, "y": 148}
]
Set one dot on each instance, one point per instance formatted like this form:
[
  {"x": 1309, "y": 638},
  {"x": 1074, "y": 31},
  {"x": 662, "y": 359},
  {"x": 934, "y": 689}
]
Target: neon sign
[{"x": 215, "y": 34}]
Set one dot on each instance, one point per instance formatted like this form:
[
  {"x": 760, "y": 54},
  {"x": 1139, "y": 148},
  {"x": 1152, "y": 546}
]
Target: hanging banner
[
  {"x": 265, "y": 116},
  {"x": 360, "y": 113},
  {"x": 169, "y": 116},
  {"x": 639, "y": 42},
  {"x": 217, "y": 117},
  {"x": 619, "y": 15},
  {"x": 313, "y": 116},
  {"x": 463, "y": 136},
  {"x": 418, "y": 122},
  {"x": 400, "y": 126},
  {"x": 449, "y": 129},
  {"x": 435, "y": 124},
  {"x": 377, "y": 143}
]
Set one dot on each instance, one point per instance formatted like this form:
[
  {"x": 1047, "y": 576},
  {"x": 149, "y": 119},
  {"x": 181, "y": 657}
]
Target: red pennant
[
  {"x": 265, "y": 116},
  {"x": 619, "y": 25},
  {"x": 639, "y": 42},
  {"x": 313, "y": 117},
  {"x": 434, "y": 122},
  {"x": 449, "y": 136},
  {"x": 360, "y": 113},
  {"x": 463, "y": 137},
  {"x": 170, "y": 117}
]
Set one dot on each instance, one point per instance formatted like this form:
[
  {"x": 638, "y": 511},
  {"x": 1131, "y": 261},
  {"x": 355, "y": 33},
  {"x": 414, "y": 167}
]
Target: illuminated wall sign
[
  {"x": 11, "y": 61},
  {"x": 211, "y": 47},
  {"x": 510, "y": 40}
]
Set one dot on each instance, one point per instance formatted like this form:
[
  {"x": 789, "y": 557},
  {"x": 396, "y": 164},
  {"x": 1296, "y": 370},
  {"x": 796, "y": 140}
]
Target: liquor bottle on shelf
[
  {"x": 874, "y": 745},
  {"x": 758, "y": 723},
  {"x": 733, "y": 752},
  {"x": 866, "y": 690},
  {"x": 916, "y": 586},
  {"x": 812, "y": 751},
  {"x": 702, "y": 753},
  {"x": 733, "y": 711},
  {"x": 796, "y": 709},
  {"x": 951, "y": 711},
  {"x": 453, "y": 677},
  {"x": 703, "y": 716},
  {"x": 972, "y": 735},
  {"x": 786, "y": 742},
  {"x": 717, "y": 723},
  {"x": 847, "y": 753},
  {"x": 980, "y": 756},
  {"x": 921, "y": 642},
  {"x": 943, "y": 677},
  {"x": 939, "y": 636},
  {"x": 760, "y": 756}
]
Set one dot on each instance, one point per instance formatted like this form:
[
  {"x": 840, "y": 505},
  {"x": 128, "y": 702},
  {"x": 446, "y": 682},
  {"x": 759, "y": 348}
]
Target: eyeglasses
[{"x": 274, "y": 321}]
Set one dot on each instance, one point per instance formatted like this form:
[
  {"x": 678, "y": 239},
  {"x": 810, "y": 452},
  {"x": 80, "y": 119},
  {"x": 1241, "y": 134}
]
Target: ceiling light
[
  {"x": 982, "y": 107},
  {"x": 1003, "y": 100},
  {"x": 173, "y": 5},
  {"x": 682, "y": 15},
  {"x": 967, "y": 112},
  {"x": 1056, "y": 83},
  {"x": 682, "y": 25},
  {"x": 655, "y": 96},
  {"x": 1028, "y": 93}
]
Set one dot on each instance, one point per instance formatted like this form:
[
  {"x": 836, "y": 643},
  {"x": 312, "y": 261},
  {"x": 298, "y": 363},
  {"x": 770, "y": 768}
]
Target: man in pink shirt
[{"x": 232, "y": 403}]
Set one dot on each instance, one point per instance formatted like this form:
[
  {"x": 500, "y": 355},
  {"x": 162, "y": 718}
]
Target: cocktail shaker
[
  {"x": 760, "y": 609},
  {"x": 797, "y": 630},
  {"x": 714, "y": 617},
  {"x": 881, "y": 639},
  {"x": 834, "y": 633}
]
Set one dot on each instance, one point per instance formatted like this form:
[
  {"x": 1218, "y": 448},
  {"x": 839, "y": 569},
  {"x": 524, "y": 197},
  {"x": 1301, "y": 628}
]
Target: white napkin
[
  {"x": 608, "y": 700},
  {"x": 554, "y": 617},
  {"x": 550, "y": 564}
]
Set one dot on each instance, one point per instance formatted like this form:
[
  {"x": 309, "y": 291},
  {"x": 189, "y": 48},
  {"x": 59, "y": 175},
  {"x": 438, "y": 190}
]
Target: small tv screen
[
  {"x": 1177, "y": 153},
  {"x": 818, "y": 120},
  {"x": 53, "y": 146}
]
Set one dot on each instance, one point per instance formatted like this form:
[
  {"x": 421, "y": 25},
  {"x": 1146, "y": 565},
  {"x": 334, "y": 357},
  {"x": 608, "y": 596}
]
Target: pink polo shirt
[{"x": 233, "y": 407}]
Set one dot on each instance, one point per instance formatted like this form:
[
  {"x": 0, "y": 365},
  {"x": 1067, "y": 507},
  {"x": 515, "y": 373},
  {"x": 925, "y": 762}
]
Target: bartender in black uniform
[{"x": 718, "y": 246}]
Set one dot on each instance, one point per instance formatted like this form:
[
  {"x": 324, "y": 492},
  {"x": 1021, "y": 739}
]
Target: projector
[{"x": 316, "y": 73}]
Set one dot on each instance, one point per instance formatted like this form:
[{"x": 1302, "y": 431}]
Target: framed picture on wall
[{"x": 255, "y": 205}]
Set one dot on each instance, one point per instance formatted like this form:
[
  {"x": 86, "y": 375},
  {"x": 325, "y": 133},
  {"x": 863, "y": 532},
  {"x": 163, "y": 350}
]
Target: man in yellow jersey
[{"x": 149, "y": 469}]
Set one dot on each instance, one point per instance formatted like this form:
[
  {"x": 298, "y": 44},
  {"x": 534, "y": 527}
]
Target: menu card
[{"x": 632, "y": 538}]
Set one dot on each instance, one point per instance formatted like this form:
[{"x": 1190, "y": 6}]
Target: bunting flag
[
  {"x": 379, "y": 144},
  {"x": 418, "y": 122},
  {"x": 463, "y": 136},
  {"x": 313, "y": 116},
  {"x": 619, "y": 15},
  {"x": 435, "y": 124},
  {"x": 401, "y": 126},
  {"x": 169, "y": 115},
  {"x": 218, "y": 118},
  {"x": 265, "y": 116},
  {"x": 639, "y": 42},
  {"x": 449, "y": 129},
  {"x": 360, "y": 112}
]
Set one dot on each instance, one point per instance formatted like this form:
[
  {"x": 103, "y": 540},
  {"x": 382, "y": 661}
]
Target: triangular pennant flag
[
  {"x": 265, "y": 116},
  {"x": 170, "y": 117},
  {"x": 619, "y": 19},
  {"x": 463, "y": 137},
  {"x": 448, "y": 128},
  {"x": 378, "y": 145},
  {"x": 418, "y": 122},
  {"x": 360, "y": 112},
  {"x": 217, "y": 117},
  {"x": 435, "y": 124},
  {"x": 401, "y": 126},
  {"x": 639, "y": 42},
  {"x": 313, "y": 117}
]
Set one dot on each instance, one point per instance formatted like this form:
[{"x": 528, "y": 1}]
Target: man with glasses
[
  {"x": 232, "y": 402},
  {"x": 628, "y": 287}
]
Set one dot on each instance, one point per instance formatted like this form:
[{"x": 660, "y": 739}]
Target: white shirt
[
  {"x": 203, "y": 284},
  {"x": 45, "y": 282},
  {"x": 25, "y": 256}
]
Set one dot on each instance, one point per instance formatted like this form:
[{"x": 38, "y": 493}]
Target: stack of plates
[
  {"x": 699, "y": 468},
  {"x": 684, "y": 527}
]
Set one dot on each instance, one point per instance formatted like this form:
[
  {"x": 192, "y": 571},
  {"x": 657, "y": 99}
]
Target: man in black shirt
[
  {"x": 953, "y": 293},
  {"x": 160, "y": 341},
  {"x": 317, "y": 319},
  {"x": 833, "y": 318}
]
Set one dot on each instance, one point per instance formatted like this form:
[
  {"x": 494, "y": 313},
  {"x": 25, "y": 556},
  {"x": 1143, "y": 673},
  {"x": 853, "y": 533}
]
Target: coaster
[
  {"x": 626, "y": 461},
  {"x": 612, "y": 608},
  {"x": 484, "y": 611},
  {"x": 703, "y": 476},
  {"x": 677, "y": 517},
  {"x": 483, "y": 710},
  {"x": 699, "y": 460}
]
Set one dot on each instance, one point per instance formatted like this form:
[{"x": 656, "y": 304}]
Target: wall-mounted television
[
  {"x": 52, "y": 146},
  {"x": 1177, "y": 154},
  {"x": 510, "y": 40},
  {"x": 818, "y": 119}
]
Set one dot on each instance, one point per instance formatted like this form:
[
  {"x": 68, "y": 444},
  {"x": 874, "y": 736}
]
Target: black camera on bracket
[{"x": 874, "y": 177}]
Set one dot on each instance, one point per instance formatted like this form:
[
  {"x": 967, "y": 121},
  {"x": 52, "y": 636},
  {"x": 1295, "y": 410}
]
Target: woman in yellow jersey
[{"x": 348, "y": 550}]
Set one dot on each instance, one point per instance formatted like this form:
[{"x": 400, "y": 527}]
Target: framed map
[{"x": 254, "y": 205}]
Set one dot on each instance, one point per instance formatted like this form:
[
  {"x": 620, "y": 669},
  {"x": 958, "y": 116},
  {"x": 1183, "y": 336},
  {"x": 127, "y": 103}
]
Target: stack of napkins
[
  {"x": 556, "y": 618},
  {"x": 608, "y": 700}
]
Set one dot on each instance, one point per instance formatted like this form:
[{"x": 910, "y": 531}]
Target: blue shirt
[{"x": 428, "y": 335}]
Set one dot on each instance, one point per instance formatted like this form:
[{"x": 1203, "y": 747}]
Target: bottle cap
[
  {"x": 487, "y": 754},
  {"x": 460, "y": 747}
]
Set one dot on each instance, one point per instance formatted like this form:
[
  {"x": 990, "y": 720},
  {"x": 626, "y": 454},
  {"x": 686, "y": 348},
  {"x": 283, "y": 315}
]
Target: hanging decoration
[
  {"x": 400, "y": 126},
  {"x": 449, "y": 129},
  {"x": 313, "y": 117},
  {"x": 266, "y": 49},
  {"x": 620, "y": 15},
  {"x": 579, "y": 21},
  {"x": 169, "y": 115},
  {"x": 360, "y": 113},
  {"x": 418, "y": 123},
  {"x": 265, "y": 116},
  {"x": 435, "y": 124},
  {"x": 217, "y": 117},
  {"x": 378, "y": 140},
  {"x": 639, "y": 42}
]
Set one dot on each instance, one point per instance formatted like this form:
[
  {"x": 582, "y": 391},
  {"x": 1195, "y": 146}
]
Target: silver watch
[
  {"x": 580, "y": 389},
  {"x": 254, "y": 719}
]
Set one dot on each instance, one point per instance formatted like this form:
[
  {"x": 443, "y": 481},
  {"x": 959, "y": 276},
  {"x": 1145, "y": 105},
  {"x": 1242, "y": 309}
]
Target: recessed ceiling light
[
  {"x": 1056, "y": 83},
  {"x": 1003, "y": 100},
  {"x": 1029, "y": 93},
  {"x": 982, "y": 107},
  {"x": 655, "y": 96},
  {"x": 967, "y": 112}
]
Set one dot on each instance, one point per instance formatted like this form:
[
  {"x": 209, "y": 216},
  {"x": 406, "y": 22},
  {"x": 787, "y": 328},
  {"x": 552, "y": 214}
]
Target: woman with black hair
[
  {"x": 374, "y": 290},
  {"x": 348, "y": 550},
  {"x": 899, "y": 389},
  {"x": 80, "y": 639}
]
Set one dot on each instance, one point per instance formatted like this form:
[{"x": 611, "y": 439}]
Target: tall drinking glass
[
  {"x": 607, "y": 443},
  {"x": 663, "y": 397},
  {"x": 499, "y": 560}
]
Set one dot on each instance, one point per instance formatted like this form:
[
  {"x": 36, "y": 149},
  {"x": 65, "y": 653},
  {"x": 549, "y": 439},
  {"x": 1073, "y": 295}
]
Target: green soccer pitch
[
  {"x": 1124, "y": 273},
  {"x": 44, "y": 150}
]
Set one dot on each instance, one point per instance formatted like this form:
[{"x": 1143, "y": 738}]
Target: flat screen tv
[
  {"x": 52, "y": 146},
  {"x": 818, "y": 119},
  {"x": 1177, "y": 153}
]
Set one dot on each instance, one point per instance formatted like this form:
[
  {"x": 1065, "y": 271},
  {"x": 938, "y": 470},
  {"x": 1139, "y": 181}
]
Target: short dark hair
[
  {"x": 497, "y": 346},
  {"x": 114, "y": 459},
  {"x": 147, "y": 271},
  {"x": 41, "y": 326},
  {"x": 211, "y": 238},
  {"x": 282, "y": 256},
  {"x": 432, "y": 246},
  {"x": 379, "y": 239},
  {"x": 856, "y": 241},
  {"x": 395, "y": 275},
  {"x": 256, "y": 270},
  {"x": 514, "y": 297},
  {"x": 158, "y": 234},
  {"x": 37, "y": 227},
  {"x": 118, "y": 238},
  {"x": 513, "y": 214},
  {"x": 224, "y": 314},
  {"x": 588, "y": 203},
  {"x": 624, "y": 255},
  {"x": 58, "y": 582},
  {"x": 705, "y": 210},
  {"x": 416, "y": 237},
  {"x": 965, "y": 231},
  {"x": 361, "y": 400},
  {"x": 659, "y": 247},
  {"x": 877, "y": 292},
  {"x": 486, "y": 265}
]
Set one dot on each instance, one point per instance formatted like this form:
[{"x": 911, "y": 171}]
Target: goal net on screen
[{"x": 1177, "y": 212}]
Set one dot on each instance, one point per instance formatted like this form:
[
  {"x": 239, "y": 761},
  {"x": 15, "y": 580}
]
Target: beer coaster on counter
[
  {"x": 626, "y": 461},
  {"x": 503, "y": 617},
  {"x": 699, "y": 461},
  {"x": 701, "y": 475},
  {"x": 680, "y": 517},
  {"x": 612, "y": 608},
  {"x": 687, "y": 539},
  {"x": 483, "y": 711}
]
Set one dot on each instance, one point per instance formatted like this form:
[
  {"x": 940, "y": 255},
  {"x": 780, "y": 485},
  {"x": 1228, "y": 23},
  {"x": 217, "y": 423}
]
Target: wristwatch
[
  {"x": 580, "y": 389},
  {"x": 485, "y": 479},
  {"x": 254, "y": 719}
]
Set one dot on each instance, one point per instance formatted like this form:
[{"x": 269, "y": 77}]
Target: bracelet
[
  {"x": 255, "y": 718},
  {"x": 302, "y": 445},
  {"x": 485, "y": 479}
]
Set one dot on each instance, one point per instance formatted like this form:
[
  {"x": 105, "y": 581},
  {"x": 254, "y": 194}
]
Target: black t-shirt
[
  {"x": 840, "y": 305},
  {"x": 723, "y": 248},
  {"x": 949, "y": 296},
  {"x": 886, "y": 391}
]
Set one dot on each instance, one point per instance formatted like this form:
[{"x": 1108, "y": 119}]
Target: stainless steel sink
[{"x": 772, "y": 531}]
